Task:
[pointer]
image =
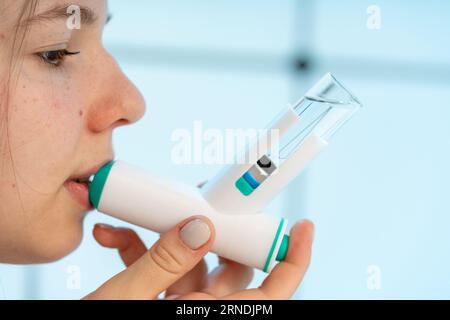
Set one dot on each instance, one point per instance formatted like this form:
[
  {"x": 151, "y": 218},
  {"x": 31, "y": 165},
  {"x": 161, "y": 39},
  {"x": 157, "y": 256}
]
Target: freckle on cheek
[
  {"x": 80, "y": 113},
  {"x": 13, "y": 185}
]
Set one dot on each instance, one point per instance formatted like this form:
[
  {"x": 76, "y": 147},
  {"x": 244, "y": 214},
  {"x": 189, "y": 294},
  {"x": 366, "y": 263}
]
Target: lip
[{"x": 80, "y": 190}]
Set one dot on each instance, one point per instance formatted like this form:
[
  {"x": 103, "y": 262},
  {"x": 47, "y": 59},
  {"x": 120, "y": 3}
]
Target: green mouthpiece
[{"x": 96, "y": 188}]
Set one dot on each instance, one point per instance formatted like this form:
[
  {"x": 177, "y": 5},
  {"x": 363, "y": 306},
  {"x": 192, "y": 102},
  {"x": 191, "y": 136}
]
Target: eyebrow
[{"x": 87, "y": 15}]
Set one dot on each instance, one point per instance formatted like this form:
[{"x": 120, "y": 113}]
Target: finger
[
  {"x": 168, "y": 260},
  {"x": 125, "y": 240},
  {"x": 194, "y": 280},
  {"x": 227, "y": 278},
  {"x": 285, "y": 278}
]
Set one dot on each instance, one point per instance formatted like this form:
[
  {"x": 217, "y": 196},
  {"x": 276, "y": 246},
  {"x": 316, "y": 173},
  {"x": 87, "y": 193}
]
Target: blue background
[{"x": 378, "y": 195}]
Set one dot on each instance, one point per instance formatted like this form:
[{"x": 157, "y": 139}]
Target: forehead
[
  {"x": 13, "y": 12},
  {"x": 9, "y": 12}
]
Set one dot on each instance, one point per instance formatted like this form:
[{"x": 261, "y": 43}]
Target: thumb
[{"x": 172, "y": 256}]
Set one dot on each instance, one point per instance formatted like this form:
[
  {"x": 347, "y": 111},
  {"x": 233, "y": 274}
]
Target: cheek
[{"x": 45, "y": 127}]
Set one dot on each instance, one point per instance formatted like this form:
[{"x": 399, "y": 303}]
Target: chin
[
  {"x": 53, "y": 244},
  {"x": 62, "y": 245},
  {"x": 59, "y": 250},
  {"x": 50, "y": 249}
]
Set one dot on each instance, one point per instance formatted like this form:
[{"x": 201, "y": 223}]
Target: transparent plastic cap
[{"x": 321, "y": 111}]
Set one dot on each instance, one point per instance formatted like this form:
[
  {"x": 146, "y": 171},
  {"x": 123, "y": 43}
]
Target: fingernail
[
  {"x": 195, "y": 233},
  {"x": 104, "y": 226}
]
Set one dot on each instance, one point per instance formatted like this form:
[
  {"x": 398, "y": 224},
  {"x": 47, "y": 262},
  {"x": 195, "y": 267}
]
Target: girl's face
[{"x": 56, "y": 124}]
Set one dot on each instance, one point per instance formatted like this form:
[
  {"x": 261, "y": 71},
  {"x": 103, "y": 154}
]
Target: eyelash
[{"x": 58, "y": 57}]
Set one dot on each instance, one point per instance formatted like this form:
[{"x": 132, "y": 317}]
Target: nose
[{"x": 117, "y": 101}]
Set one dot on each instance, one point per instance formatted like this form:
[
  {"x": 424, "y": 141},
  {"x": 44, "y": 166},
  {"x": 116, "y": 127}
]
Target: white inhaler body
[{"x": 235, "y": 198}]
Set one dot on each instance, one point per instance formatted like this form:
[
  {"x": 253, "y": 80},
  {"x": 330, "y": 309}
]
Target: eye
[{"x": 56, "y": 57}]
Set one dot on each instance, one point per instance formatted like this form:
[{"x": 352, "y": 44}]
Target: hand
[
  {"x": 172, "y": 266},
  {"x": 150, "y": 272}
]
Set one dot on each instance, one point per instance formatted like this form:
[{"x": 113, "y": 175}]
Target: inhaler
[{"x": 234, "y": 200}]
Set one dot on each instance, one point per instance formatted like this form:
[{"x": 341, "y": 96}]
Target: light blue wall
[{"x": 377, "y": 195}]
